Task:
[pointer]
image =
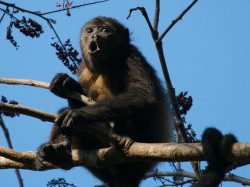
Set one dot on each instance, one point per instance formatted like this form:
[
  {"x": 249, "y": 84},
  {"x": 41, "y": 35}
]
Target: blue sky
[{"x": 207, "y": 54}]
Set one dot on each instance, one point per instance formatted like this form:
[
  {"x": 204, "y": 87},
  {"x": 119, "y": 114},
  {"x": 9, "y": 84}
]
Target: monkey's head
[{"x": 104, "y": 42}]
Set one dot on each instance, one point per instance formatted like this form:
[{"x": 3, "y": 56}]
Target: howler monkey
[
  {"x": 215, "y": 147},
  {"x": 127, "y": 92}
]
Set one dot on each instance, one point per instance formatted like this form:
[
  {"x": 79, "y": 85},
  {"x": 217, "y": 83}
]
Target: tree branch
[
  {"x": 153, "y": 152},
  {"x": 138, "y": 152},
  {"x": 171, "y": 90},
  {"x": 73, "y": 7},
  {"x": 175, "y": 21},
  {"x": 157, "y": 14},
  {"x": 20, "y": 109},
  {"x": 46, "y": 85},
  {"x": 122, "y": 142},
  {"x": 230, "y": 177}
]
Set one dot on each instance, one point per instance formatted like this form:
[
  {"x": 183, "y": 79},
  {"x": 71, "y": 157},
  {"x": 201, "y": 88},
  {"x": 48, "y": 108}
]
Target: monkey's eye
[
  {"x": 88, "y": 30},
  {"x": 105, "y": 29}
]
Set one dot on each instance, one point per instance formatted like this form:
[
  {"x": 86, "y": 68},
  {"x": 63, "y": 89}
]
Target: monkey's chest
[
  {"x": 96, "y": 87},
  {"x": 98, "y": 91}
]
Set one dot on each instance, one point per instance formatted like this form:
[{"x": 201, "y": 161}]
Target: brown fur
[{"x": 95, "y": 85}]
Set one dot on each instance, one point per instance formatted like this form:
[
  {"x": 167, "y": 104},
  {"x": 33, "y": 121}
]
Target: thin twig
[
  {"x": 144, "y": 13},
  {"x": 24, "y": 10},
  {"x": 171, "y": 90},
  {"x": 41, "y": 16},
  {"x": 73, "y": 7},
  {"x": 7, "y": 136},
  {"x": 157, "y": 14},
  {"x": 230, "y": 177},
  {"x": 4, "y": 12},
  {"x": 176, "y": 20},
  {"x": 48, "y": 20},
  {"x": 59, "y": 39}
]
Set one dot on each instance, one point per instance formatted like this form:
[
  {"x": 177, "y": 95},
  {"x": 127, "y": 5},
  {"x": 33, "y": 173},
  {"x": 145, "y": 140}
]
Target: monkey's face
[{"x": 101, "y": 43}]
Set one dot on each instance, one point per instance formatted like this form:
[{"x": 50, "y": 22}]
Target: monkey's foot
[{"x": 57, "y": 154}]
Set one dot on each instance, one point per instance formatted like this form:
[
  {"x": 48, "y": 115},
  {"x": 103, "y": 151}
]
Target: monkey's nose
[{"x": 94, "y": 36}]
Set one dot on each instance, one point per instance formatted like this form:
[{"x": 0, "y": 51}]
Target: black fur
[
  {"x": 127, "y": 92},
  {"x": 215, "y": 147}
]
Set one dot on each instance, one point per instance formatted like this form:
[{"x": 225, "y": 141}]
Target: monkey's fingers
[
  {"x": 56, "y": 85},
  {"x": 70, "y": 119},
  {"x": 60, "y": 117}
]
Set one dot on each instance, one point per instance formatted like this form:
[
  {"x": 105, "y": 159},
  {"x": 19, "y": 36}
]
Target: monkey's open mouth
[{"x": 93, "y": 47}]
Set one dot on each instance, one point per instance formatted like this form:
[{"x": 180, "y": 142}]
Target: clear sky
[{"x": 207, "y": 53}]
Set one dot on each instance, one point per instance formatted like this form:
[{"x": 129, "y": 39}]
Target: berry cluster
[
  {"x": 184, "y": 103},
  {"x": 67, "y": 53},
  {"x": 65, "y": 5},
  {"x": 28, "y": 27}
]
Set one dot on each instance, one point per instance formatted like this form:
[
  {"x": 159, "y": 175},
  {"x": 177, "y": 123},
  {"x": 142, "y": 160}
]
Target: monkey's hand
[
  {"x": 58, "y": 154},
  {"x": 68, "y": 118},
  {"x": 62, "y": 84}
]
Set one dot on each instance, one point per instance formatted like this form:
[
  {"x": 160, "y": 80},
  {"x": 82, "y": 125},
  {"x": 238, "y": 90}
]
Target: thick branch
[{"x": 138, "y": 152}]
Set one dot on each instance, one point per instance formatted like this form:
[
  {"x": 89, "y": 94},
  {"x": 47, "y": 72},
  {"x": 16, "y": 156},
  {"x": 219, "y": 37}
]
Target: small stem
[
  {"x": 175, "y": 21},
  {"x": 73, "y": 7},
  {"x": 157, "y": 14},
  {"x": 7, "y": 136}
]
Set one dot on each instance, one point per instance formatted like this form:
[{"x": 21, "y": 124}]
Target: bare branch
[
  {"x": 138, "y": 152},
  {"x": 144, "y": 13},
  {"x": 73, "y": 7},
  {"x": 153, "y": 152},
  {"x": 230, "y": 177},
  {"x": 171, "y": 90},
  {"x": 24, "y": 10},
  {"x": 46, "y": 85},
  {"x": 157, "y": 14},
  {"x": 24, "y": 82},
  {"x": 176, "y": 20},
  {"x": 20, "y": 109}
]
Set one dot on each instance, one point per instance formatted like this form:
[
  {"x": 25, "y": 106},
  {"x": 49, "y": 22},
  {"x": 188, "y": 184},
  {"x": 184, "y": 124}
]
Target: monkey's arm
[
  {"x": 120, "y": 107},
  {"x": 142, "y": 97}
]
